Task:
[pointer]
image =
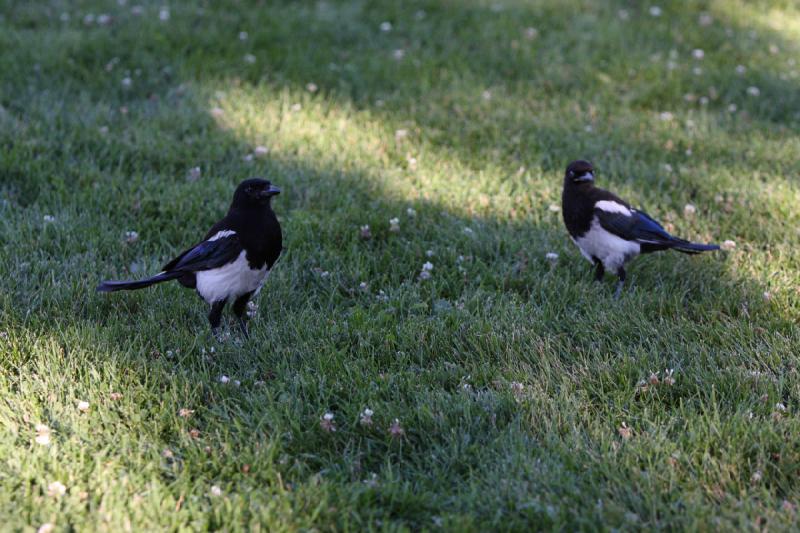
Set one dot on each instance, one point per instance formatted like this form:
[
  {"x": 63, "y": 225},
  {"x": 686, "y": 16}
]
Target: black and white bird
[
  {"x": 232, "y": 261},
  {"x": 608, "y": 231}
]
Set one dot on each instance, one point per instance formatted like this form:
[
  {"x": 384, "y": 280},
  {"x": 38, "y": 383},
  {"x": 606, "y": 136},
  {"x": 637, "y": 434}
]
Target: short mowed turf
[{"x": 509, "y": 390}]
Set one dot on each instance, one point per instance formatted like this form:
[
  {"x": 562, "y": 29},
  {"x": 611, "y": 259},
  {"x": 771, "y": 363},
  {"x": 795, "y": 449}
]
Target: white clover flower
[
  {"x": 554, "y": 208},
  {"x": 424, "y": 275},
  {"x": 756, "y": 477},
  {"x": 248, "y": 158},
  {"x": 697, "y": 71},
  {"x": 689, "y": 210},
  {"x": 324, "y": 274},
  {"x": 131, "y": 237},
  {"x": 780, "y": 407},
  {"x": 137, "y": 10},
  {"x": 429, "y": 253},
  {"x": 468, "y": 231},
  {"x": 427, "y": 266},
  {"x": 217, "y": 112},
  {"x": 215, "y": 491},
  {"x": 88, "y": 19},
  {"x": 552, "y": 257},
  {"x": 260, "y": 151},
  {"x": 767, "y": 296},
  {"x": 362, "y": 286},
  {"x": 486, "y": 95},
  {"x": 703, "y": 100},
  {"x": 47, "y": 527},
  {"x": 126, "y": 82},
  {"x": 386, "y": 26},
  {"x": 243, "y": 35},
  {"x": 56, "y": 489},
  {"x": 668, "y": 167},
  {"x": 394, "y": 225},
  {"x": 296, "y": 107},
  {"x": 728, "y": 245},
  {"x": 666, "y": 116},
  {"x": 697, "y": 53},
  {"x": 399, "y": 54},
  {"x": 249, "y": 59},
  {"x": 366, "y": 417},
  {"x": 531, "y": 33},
  {"x": 49, "y": 218},
  {"x": 224, "y": 379},
  {"x": 364, "y": 232},
  {"x": 740, "y": 69},
  {"x": 42, "y": 434},
  {"x": 753, "y": 91},
  {"x": 326, "y": 422},
  {"x": 655, "y": 11},
  {"x": 163, "y": 14},
  {"x": 104, "y": 19},
  {"x": 311, "y": 87},
  {"x": 396, "y": 430},
  {"x": 400, "y": 134},
  {"x": 623, "y": 14},
  {"x": 185, "y": 413},
  {"x": 705, "y": 19},
  {"x": 194, "y": 173},
  {"x": 732, "y": 108},
  {"x": 83, "y": 406}
]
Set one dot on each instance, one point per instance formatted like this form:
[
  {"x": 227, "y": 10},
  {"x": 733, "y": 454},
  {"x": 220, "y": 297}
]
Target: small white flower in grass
[
  {"x": 47, "y": 527},
  {"x": 531, "y": 33},
  {"x": 249, "y": 59},
  {"x": 669, "y": 377},
  {"x": 49, "y": 218},
  {"x": 623, "y": 14},
  {"x": 703, "y": 100},
  {"x": 756, "y": 477},
  {"x": 554, "y": 208},
  {"x": 429, "y": 253},
  {"x": 88, "y": 19},
  {"x": 424, "y": 275},
  {"x": 741, "y": 69},
  {"x": 103, "y": 130},
  {"x": 412, "y": 162},
  {"x": 386, "y": 26},
  {"x": 427, "y": 266},
  {"x": 697, "y": 71},
  {"x": 364, "y": 232},
  {"x": 486, "y": 95},
  {"x": 327, "y": 423},
  {"x": 252, "y": 309},
  {"x": 3, "y": 334},
  {"x": 552, "y": 257},
  {"x": 215, "y": 491},
  {"x": 217, "y": 112},
  {"x": 400, "y": 134},
  {"x": 399, "y": 54},
  {"x": 324, "y": 274},
  {"x": 624, "y": 431},
  {"x": 248, "y": 158},
  {"x": 394, "y": 225},
  {"x": 666, "y": 116},
  {"x": 224, "y": 379},
  {"x": 705, "y": 19},
  {"x": 668, "y": 168},
  {"x": 185, "y": 413},
  {"x": 260, "y": 151},
  {"x": 655, "y": 11},
  {"x": 131, "y": 237},
  {"x": 42, "y": 434},
  {"x": 653, "y": 379},
  {"x": 126, "y": 82},
  {"x": 104, "y": 19},
  {"x": 728, "y": 245},
  {"x": 363, "y": 286},
  {"x": 366, "y": 417},
  {"x": 296, "y": 107},
  {"x": 689, "y": 210},
  {"x": 382, "y": 296},
  {"x": 396, "y": 430},
  {"x": 194, "y": 174},
  {"x": 137, "y": 10},
  {"x": 83, "y": 406},
  {"x": 237, "y": 383},
  {"x": 732, "y": 108},
  {"x": 311, "y": 87},
  {"x": 753, "y": 91},
  {"x": 163, "y": 14},
  {"x": 697, "y": 53},
  {"x": 56, "y": 489},
  {"x": 767, "y": 296},
  {"x": 243, "y": 35},
  {"x": 780, "y": 407},
  {"x": 468, "y": 231}
]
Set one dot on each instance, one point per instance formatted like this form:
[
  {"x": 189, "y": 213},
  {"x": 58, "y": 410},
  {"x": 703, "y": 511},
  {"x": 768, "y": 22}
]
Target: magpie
[
  {"x": 234, "y": 258},
  {"x": 607, "y": 230}
]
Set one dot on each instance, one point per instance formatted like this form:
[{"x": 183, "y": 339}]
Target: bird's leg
[
  {"x": 239, "y": 309},
  {"x": 620, "y": 283},
  {"x": 215, "y": 315},
  {"x": 599, "y": 271}
]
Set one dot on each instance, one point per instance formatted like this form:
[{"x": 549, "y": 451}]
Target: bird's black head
[
  {"x": 579, "y": 172},
  {"x": 254, "y": 192}
]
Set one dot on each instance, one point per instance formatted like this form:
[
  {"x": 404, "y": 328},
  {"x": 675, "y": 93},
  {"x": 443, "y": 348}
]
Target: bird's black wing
[
  {"x": 637, "y": 226},
  {"x": 207, "y": 255}
]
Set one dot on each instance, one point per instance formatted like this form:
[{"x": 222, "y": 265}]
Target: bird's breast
[{"x": 236, "y": 278}]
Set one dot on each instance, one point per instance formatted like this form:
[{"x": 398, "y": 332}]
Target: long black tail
[
  {"x": 112, "y": 286},
  {"x": 692, "y": 247}
]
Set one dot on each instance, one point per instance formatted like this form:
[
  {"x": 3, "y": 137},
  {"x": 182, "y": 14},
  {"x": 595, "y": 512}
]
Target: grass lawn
[{"x": 521, "y": 392}]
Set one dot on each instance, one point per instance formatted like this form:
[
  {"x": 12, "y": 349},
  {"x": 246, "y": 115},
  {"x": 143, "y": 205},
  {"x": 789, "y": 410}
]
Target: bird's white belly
[
  {"x": 230, "y": 281},
  {"x": 611, "y": 250}
]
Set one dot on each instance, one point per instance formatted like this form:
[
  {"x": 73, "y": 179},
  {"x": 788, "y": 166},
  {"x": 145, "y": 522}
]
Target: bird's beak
[
  {"x": 272, "y": 191},
  {"x": 588, "y": 176}
]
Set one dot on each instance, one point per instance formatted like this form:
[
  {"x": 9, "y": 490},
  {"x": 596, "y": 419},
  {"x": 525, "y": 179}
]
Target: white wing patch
[
  {"x": 609, "y": 206},
  {"x": 221, "y": 234},
  {"x": 231, "y": 280}
]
